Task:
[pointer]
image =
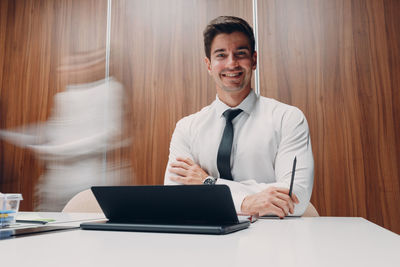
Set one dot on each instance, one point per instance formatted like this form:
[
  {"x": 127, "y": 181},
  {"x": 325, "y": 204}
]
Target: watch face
[{"x": 209, "y": 181}]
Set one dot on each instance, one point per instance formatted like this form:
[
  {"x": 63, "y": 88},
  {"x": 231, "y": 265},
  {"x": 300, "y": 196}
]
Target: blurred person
[
  {"x": 85, "y": 123},
  {"x": 242, "y": 140}
]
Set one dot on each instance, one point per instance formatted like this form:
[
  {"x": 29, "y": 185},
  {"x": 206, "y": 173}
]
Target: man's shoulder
[
  {"x": 283, "y": 116},
  {"x": 278, "y": 108}
]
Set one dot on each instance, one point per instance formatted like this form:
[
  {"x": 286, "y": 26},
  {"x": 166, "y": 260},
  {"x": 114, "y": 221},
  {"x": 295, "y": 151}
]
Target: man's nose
[{"x": 232, "y": 61}]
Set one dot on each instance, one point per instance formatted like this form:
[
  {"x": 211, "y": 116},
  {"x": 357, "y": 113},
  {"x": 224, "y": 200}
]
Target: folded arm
[{"x": 249, "y": 195}]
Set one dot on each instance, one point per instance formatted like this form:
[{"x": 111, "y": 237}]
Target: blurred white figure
[{"x": 85, "y": 123}]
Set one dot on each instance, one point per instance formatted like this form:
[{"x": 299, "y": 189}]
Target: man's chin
[{"x": 232, "y": 89}]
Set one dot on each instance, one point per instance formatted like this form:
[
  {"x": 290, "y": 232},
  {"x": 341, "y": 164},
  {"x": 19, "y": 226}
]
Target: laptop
[{"x": 198, "y": 209}]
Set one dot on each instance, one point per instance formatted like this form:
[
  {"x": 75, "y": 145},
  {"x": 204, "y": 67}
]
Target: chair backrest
[
  {"x": 83, "y": 202},
  {"x": 311, "y": 211}
]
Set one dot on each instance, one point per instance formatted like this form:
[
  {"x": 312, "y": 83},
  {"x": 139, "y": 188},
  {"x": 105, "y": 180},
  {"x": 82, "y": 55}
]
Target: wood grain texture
[
  {"x": 157, "y": 53},
  {"x": 338, "y": 61},
  {"x": 37, "y": 38}
]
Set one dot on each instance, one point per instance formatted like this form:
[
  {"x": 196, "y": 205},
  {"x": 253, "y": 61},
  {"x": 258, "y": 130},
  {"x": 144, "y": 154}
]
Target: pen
[{"x": 293, "y": 172}]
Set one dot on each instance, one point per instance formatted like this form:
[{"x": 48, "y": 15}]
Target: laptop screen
[{"x": 175, "y": 204}]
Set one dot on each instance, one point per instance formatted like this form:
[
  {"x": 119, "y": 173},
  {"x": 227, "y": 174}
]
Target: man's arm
[
  {"x": 295, "y": 141},
  {"x": 273, "y": 200},
  {"x": 186, "y": 171},
  {"x": 250, "y": 196},
  {"x": 179, "y": 148}
]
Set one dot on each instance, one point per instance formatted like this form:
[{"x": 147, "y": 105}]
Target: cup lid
[{"x": 11, "y": 196}]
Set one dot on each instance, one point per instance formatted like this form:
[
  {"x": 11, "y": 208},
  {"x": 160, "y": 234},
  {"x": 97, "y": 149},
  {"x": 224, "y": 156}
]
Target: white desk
[{"x": 323, "y": 241}]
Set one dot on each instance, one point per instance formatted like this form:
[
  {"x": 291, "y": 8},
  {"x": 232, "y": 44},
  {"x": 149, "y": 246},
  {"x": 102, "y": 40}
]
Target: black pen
[{"x": 293, "y": 172}]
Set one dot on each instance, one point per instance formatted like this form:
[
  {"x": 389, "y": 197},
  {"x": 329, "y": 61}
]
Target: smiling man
[{"x": 245, "y": 141}]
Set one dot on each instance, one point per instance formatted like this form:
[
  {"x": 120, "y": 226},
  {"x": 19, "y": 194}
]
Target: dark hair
[{"x": 226, "y": 24}]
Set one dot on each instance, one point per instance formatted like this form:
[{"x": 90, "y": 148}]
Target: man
[{"x": 256, "y": 163}]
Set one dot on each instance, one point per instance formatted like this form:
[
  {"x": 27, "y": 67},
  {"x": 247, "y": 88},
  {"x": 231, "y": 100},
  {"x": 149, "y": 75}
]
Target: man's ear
[
  {"x": 254, "y": 60},
  {"x": 208, "y": 63}
]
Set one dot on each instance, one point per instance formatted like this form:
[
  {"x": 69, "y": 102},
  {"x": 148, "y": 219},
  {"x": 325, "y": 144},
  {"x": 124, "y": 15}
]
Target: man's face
[{"x": 231, "y": 63}]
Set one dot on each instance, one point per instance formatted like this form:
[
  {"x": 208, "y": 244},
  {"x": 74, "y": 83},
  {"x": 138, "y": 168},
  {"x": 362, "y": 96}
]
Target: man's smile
[
  {"x": 232, "y": 74},
  {"x": 232, "y": 79}
]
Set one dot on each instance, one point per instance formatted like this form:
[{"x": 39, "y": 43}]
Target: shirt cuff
[{"x": 237, "y": 194}]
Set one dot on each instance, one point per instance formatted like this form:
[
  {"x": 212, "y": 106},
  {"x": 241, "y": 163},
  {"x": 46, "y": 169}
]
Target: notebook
[{"x": 199, "y": 209}]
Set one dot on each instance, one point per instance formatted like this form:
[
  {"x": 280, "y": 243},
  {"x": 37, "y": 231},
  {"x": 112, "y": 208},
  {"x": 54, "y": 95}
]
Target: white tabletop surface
[
  {"x": 60, "y": 218},
  {"x": 321, "y": 241}
]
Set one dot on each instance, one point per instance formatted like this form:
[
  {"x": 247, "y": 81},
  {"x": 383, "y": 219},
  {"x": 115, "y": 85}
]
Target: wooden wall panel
[
  {"x": 338, "y": 61},
  {"x": 157, "y": 53},
  {"x": 38, "y": 39}
]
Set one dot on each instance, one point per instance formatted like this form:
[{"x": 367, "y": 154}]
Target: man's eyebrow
[
  {"x": 219, "y": 50},
  {"x": 239, "y": 48},
  {"x": 243, "y": 48}
]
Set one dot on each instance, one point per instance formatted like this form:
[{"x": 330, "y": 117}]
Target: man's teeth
[{"x": 232, "y": 74}]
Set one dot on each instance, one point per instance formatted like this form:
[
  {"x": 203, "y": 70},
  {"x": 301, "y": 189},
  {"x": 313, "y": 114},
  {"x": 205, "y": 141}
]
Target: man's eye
[
  {"x": 220, "y": 55},
  {"x": 241, "y": 53}
]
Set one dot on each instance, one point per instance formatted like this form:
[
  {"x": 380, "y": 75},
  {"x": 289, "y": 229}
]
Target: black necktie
[{"x": 225, "y": 147}]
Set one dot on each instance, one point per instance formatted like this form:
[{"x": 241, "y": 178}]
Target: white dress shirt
[{"x": 267, "y": 136}]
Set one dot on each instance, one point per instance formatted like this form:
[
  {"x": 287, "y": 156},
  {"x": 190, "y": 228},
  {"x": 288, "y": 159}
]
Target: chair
[
  {"x": 83, "y": 202},
  {"x": 311, "y": 211}
]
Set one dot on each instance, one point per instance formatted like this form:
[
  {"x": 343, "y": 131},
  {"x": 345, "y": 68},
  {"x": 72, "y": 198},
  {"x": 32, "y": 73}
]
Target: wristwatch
[{"x": 210, "y": 180}]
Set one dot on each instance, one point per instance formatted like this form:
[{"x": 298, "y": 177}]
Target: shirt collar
[{"x": 246, "y": 105}]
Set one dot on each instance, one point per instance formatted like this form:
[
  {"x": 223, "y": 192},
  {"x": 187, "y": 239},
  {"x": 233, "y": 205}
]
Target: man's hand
[
  {"x": 273, "y": 200},
  {"x": 188, "y": 171}
]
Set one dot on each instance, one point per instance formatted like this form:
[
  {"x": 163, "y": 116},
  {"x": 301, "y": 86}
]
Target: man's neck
[{"x": 233, "y": 99}]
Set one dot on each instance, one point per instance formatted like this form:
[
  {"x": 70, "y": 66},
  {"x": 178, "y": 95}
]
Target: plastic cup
[{"x": 9, "y": 206}]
